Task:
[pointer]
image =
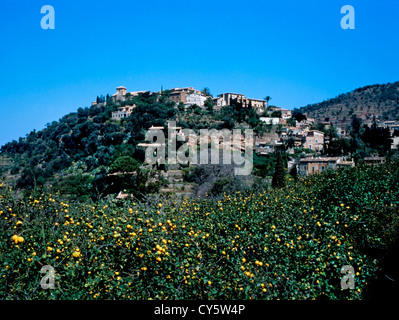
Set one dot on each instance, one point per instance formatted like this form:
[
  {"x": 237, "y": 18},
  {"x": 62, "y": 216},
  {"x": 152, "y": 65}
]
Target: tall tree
[
  {"x": 206, "y": 92},
  {"x": 278, "y": 180},
  {"x": 356, "y": 124},
  {"x": 294, "y": 172},
  {"x": 209, "y": 104},
  {"x": 267, "y": 98}
]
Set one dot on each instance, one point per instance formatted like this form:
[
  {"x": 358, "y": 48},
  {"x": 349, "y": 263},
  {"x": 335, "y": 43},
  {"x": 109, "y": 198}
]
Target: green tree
[
  {"x": 124, "y": 164},
  {"x": 294, "y": 172},
  {"x": 77, "y": 186},
  {"x": 267, "y": 98},
  {"x": 356, "y": 123},
  {"x": 209, "y": 104},
  {"x": 278, "y": 180},
  {"x": 206, "y": 92},
  {"x": 276, "y": 114}
]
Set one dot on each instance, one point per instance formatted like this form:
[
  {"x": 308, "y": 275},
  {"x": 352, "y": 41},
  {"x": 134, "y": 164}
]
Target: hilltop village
[
  {"x": 101, "y": 150},
  {"x": 286, "y": 131}
]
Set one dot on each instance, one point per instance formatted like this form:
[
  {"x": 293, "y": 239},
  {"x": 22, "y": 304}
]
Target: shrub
[{"x": 288, "y": 243}]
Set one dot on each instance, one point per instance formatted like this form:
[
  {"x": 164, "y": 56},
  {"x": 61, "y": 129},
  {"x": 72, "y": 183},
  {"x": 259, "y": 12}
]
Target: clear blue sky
[{"x": 294, "y": 51}]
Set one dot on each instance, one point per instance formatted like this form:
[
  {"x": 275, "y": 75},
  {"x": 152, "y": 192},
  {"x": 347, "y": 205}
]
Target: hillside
[
  {"x": 380, "y": 100},
  {"x": 83, "y": 153}
]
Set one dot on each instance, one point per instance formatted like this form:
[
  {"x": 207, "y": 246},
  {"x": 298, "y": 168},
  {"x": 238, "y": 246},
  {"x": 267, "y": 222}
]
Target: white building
[
  {"x": 286, "y": 113},
  {"x": 195, "y": 98},
  {"x": 395, "y": 143},
  {"x": 268, "y": 120},
  {"x": 123, "y": 112}
]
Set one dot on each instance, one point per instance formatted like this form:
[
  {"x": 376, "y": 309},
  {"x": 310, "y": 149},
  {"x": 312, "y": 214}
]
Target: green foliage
[
  {"x": 76, "y": 186},
  {"x": 276, "y": 114},
  {"x": 294, "y": 172},
  {"x": 236, "y": 113},
  {"x": 288, "y": 243},
  {"x": 220, "y": 185},
  {"x": 377, "y": 138},
  {"x": 192, "y": 174},
  {"x": 339, "y": 147},
  {"x": 298, "y": 116},
  {"x": 124, "y": 164},
  {"x": 278, "y": 180},
  {"x": 208, "y": 104},
  {"x": 263, "y": 166},
  {"x": 88, "y": 136}
]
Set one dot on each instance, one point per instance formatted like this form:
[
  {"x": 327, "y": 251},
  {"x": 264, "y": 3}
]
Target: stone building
[
  {"x": 120, "y": 94},
  {"x": 314, "y": 140},
  {"x": 308, "y": 166},
  {"x": 227, "y": 99},
  {"x": 187, "y": 96}
]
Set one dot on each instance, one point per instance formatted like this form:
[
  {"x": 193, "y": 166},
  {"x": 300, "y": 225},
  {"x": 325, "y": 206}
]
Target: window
[{"x": 323, "y": 168}]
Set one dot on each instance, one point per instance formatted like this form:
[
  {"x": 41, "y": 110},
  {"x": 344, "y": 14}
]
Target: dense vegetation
[
  {"x": 78, "y": 153},
  {"x": 285, "y": 243},
  {"x": 85, "y": 142}
]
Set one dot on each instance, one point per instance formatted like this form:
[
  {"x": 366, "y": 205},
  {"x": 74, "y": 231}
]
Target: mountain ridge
[{"x": 378, "y": 100}]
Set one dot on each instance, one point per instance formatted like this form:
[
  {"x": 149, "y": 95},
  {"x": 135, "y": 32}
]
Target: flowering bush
[{"x": 286, "y": 243}]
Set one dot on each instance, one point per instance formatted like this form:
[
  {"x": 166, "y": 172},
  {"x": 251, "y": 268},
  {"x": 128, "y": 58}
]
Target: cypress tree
[
  {"x": 294, "y": 172},
  {"x": 278, "y": 180}
]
